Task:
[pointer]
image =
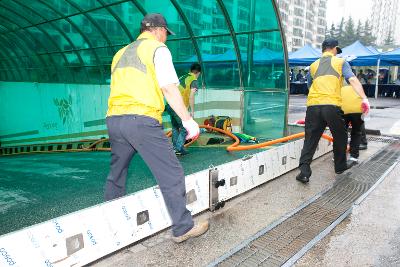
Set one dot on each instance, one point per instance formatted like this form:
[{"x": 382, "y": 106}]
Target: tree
[
  {"x": 340, "y": 32},
  {"x": 326, "y": 32},
  {"x": 332, "y": 31},
  {"x": 389, "y": 39},
  {"x": 366, "y": 37},
  {"x": 359, "y": 30},
  {"x": 349, "y": 35}
]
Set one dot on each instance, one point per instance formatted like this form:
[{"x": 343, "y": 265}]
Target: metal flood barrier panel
[{"x": 84, "y": 236}]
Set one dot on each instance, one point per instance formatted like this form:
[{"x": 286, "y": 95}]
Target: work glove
[
  {"x": 365, "y": 107},
  {"x": 192, "y": 129}
]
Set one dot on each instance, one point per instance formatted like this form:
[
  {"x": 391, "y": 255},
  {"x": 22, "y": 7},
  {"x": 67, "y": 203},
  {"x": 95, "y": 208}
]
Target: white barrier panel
[
  {"x": 81, "y": 237},
  {"x": 86, "y": 235},
  {"x": 245, "y": 174}
]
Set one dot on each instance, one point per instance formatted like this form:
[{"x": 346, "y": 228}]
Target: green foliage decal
[{"x": 64, "y": 106}]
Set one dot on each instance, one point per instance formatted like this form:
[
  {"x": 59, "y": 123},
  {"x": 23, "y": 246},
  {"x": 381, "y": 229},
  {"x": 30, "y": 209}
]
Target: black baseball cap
[
  {"x": 331, "y": 43},
  {"x": 156, "y": 20}
]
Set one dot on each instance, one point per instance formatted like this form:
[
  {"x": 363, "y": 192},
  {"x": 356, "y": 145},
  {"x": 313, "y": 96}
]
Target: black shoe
[
  {"x": 363, "y": 146},
  {"x": 351, "y": 162},
  {"x": 348, "y": 167},
  {"x": 302, "y": 178},
  {"x": 181, "y": 152}
]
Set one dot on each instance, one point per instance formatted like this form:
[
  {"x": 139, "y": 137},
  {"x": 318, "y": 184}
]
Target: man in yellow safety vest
[
  {"x": 324, "y": 107},
  {"x": 188, "y": 89},
  {"x": 142, "y": 74}
]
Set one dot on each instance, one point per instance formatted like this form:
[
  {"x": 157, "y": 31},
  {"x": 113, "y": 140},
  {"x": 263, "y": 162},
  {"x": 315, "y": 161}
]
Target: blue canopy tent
[
  {"x": 391, "y": 58},
  {"x": 359, "y": 55},
  {"x": 304, "y": 56}
]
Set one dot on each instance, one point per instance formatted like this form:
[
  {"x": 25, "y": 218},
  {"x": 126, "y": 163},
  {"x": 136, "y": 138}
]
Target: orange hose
[{"x": 235, "y": 146}]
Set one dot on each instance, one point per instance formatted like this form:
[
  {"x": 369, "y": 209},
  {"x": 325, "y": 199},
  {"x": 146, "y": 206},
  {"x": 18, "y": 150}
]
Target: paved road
[{"x": 384, "y": 115}]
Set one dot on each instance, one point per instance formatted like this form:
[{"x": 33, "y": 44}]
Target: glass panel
[
  {"x": 44, "y": 9},
  {"x": 268, "y": 58},
  {"x": 59, "y": 60},
  {"x": 265, "y": 17},
  {"x": 43, "y": 39},
  {"x": 91, "y": 31},
  {"x": 23, "y": 11},
  {"x": 105, "y": 55},
  {"x": 61, "y": 43},
  {"x": 248, "y": 15},
  {"x": 64, "y": 7},
  {"x": 113, "y": 29},
  {"x": 131, "y": 17},
  {"x": 14, "y": 18},
  {"x": 221, "y": 68},
  {"x": 182, "y": 50},
  {"x": 30, "y": 45},
  {"x": 166, "y": 8},
  {"x": 72, "y": 33},
  {"x": 3, "y": 29},
  {"x": 86, "y": 4},
  {"x": 79, "y": 74},
  {"x": 205, "y": 17},
  {"x": 265, "y": 114},
  {"x": 94, "y": 75},
  {"x": 7, "y": 24}
]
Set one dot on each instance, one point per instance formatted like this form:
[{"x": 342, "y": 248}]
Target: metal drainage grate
[
  {"x": 381, "y": 139},
  {"x": 286, "y": 242}
]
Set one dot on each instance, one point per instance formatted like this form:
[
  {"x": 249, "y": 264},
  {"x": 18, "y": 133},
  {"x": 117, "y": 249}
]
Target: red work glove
[
  {"x": 365, "y": 107},
  {"x": 192, "y": 128}
]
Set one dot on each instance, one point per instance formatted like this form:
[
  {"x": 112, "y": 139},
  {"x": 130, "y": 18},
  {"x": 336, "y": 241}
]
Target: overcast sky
[{"x": 357, "y": 9}]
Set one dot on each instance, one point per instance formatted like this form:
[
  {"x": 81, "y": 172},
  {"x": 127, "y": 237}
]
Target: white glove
[
  {"x": 365, "y": 107},
  {"x": 192, "y": 128}
]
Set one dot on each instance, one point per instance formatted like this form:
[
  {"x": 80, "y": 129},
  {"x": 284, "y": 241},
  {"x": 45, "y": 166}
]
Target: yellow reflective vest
[
  {"x": 351, "y": 101},
  {"x": 327, "y": 81},
  {"x": 185, "y": 89},
  {"x": 134, "y": 86}
]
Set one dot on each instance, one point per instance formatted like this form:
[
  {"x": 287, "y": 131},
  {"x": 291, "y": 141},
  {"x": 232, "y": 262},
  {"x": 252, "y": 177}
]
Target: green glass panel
[
  {"x": 43, "y": 9},
  {"x": 168, "y": 10},
  {"x": 23, "y": 9},
  {"x": 265, "y": 16},
  {"x": 264, "y": 114},
  {"x": 85, "y": 5},
  {"x": 269, "y": 70},
  {"x": 59, "y": 60},
  {"x": 72, "y": 33},
  {"x": 73, "y": 58},
  {"x": 10, "y": 26},
  {"x": 91, "y": 31},
  {"x": 94, "y": 74},
  {"x": 3, "y": 29},
  {"x": 15, "y": 18},
  {"x": 50, "y": 45},
  {"x": 182, "y": 51},
  {"x": 219, "y": 57},
  {"x": 205, "y": 17},
  {"x": 64, "y": 7},
  {"x": 249, "y": 15},
  {"x": 79, "y": 74},
  {"x": 30, "y": 45},
  {"x": 130, "y": 16},
  {"x": 113, "y": 29},
  {"x": 107, "y": 74},
  {"x": 105, "y": 55},
  {"x": 59, "y": 39},
  {"x": 9, "y": 45}
]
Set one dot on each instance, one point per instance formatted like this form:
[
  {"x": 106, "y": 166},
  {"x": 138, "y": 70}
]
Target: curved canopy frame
[{"x": 73, "y": 41}]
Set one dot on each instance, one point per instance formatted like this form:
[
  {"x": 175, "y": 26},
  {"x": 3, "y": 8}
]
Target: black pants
[
  {"x": 356, "y": 124},
  {"x": 317, "y": 118},
  {"x": 363, "y": 135},
  {"x": 131, "y": 134}
]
